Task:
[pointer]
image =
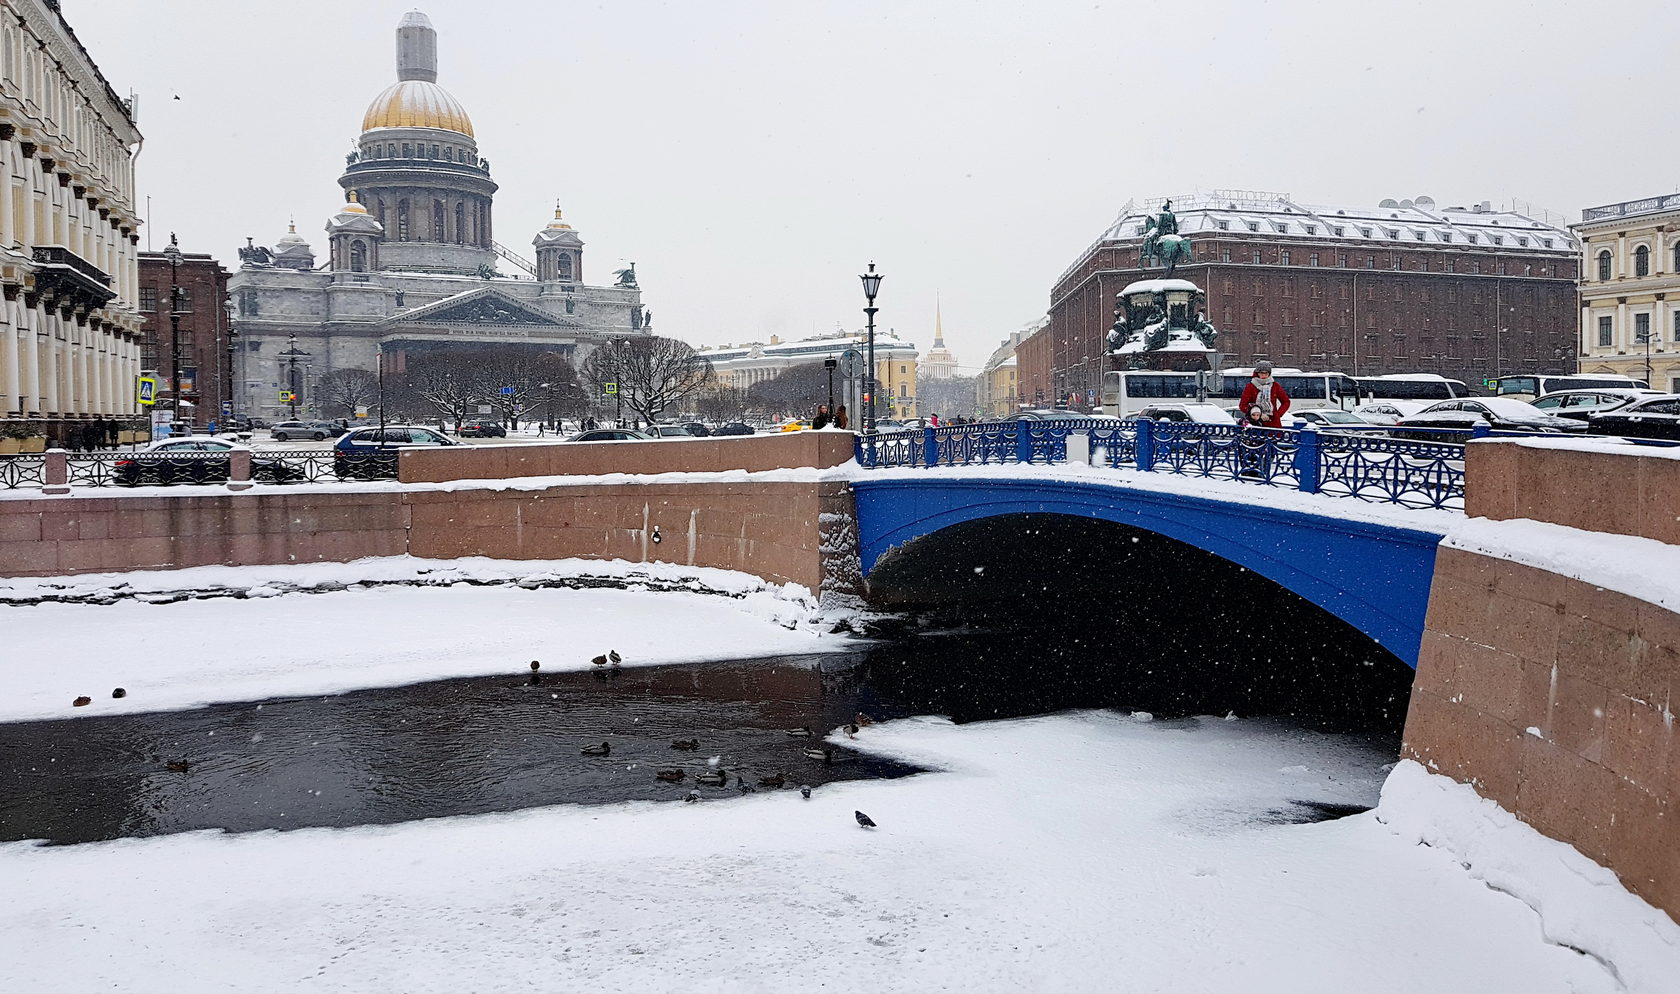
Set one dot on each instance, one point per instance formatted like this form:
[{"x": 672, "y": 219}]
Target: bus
[
  {"x": 1533, "y": 387},
  {"x": 1125, "y": 392},
  {"x": 1425, "y": 387}
]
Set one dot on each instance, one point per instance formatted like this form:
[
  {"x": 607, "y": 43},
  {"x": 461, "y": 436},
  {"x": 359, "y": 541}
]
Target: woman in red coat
[{"x": 1264, "y": 401}]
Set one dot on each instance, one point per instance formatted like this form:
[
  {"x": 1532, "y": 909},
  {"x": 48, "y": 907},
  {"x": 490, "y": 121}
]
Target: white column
[
  {"x": 8, "y": 225},
  {"x": 29, "y": 360},
  {"x": 10, "y": 379}
]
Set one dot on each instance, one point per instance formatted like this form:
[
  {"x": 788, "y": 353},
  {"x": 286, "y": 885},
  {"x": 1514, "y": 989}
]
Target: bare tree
[
  {"x": 795, "y": 391},
  {"x": 343, "y": 392},
  {"x": 721, "y": 404},
  {"x": 653, "y": 374},
  {"x": 517, "y": 383},
  {"x": 446, "y": 381},
  {"x": 952, "y": 397}
]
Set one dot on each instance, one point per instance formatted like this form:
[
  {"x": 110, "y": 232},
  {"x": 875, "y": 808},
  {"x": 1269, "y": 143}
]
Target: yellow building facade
[{"x": 1630, "y": 290}]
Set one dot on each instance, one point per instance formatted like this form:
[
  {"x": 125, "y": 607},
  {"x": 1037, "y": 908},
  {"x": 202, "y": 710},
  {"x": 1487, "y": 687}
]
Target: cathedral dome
[{"x": 417, "y": 103}]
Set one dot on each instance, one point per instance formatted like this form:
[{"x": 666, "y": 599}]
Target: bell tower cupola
[{"x": 559, "y": 252}]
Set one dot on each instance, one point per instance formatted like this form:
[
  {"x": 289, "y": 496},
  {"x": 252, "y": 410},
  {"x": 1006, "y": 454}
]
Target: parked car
[
  {"x": 1330, "y": 419},
  {"x": 1387, "y": 412},
  {"x": 1653, "y": 417},
  {"x": 195, "y": 459},
  {"x": 482, "y": 428},
  {"x": 697, "y": 429},
  {"x": 320, "y": 431},
  {"x": 1049, "y": 414},
  {"x": 1207, "y": 414},
  {"x": 669, "y": 431},
  {"x": 371, "y": 453},
  {"x": 608, "y": 435},
  {"x": 1578, "y": 404},
  {"x": 1499, "y": 413},
  {"x": 733, "y": 428}
]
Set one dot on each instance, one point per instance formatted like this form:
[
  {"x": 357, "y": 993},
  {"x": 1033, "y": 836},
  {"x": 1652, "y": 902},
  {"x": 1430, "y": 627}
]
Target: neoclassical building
[
  {"x": 896, "y": 365},
  {"x": 69, "y": 232},
  {"x": 412, "y": 263},
  {"x": 1630, "y": 290}
]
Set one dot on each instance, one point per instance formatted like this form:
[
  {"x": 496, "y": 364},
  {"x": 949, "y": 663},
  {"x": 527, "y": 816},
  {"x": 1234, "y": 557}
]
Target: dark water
[{"x": 500, "y": 743}]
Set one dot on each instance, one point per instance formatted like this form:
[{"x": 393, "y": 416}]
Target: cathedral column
[
  {"x": 8, "y": 202},
  {"x": 10, "y": 330}
]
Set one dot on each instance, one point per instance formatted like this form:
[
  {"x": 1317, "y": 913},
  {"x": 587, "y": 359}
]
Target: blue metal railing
[{"x": 1368, "y": 466}]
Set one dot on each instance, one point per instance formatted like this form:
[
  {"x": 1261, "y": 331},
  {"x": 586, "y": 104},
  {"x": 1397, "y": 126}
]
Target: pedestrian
[
  {"x": 842, "y": 419},
  {"x": 933, "y": 420},
  {"x": 822, "y": 417},
  {"x": 1264, "y": 401}
]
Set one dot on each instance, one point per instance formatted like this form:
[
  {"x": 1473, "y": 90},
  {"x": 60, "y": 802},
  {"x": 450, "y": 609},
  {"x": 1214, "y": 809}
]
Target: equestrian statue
[{"x": 1162, "y": 242}]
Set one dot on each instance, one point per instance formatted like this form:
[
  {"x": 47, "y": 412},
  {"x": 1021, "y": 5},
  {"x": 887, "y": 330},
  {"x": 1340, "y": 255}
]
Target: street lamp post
[
  {"x": 291, "y": 357},
  {"x": 173, "y": 253},
  {"x": 829, "y": 364},
  {"x": 871, "y": 286},
  {"x": 1644, "y": 338}
]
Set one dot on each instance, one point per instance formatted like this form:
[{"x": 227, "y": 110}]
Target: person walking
[
  {"x": 933, "y": 420},
  {"x": 1264, "y": 400},
  {"x": 841, "y": 419},
  {"x": 821, "y": 419}
]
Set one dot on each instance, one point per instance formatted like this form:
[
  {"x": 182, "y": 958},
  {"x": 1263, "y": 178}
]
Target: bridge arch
[{"x": 1375, "y": 577}]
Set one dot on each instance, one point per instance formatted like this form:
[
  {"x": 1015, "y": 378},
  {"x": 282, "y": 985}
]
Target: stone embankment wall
[
  {"x": 773, "y": 529},
  {"x": 1550, "y": 695}
]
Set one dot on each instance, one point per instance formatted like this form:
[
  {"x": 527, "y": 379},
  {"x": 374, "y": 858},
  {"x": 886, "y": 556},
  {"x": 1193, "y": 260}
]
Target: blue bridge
[{"x": 1373, "y": 571}]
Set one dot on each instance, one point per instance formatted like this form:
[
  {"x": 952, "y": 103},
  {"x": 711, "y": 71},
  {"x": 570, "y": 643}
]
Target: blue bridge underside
[{"x": 1374, "y": 577}]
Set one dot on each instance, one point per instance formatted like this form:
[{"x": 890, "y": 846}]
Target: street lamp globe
[{"x": 871, "y": 286}]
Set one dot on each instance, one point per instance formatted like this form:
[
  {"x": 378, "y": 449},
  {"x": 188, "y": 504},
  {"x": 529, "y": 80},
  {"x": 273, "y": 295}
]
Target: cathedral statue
[
  {"x": 255, "y": 255},
  {"x": 626, "y": 278}
]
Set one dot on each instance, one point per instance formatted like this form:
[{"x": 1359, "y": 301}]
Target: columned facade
[
  {"x": 69, "y": 234},
  {"x": 1630, "y": 290}
]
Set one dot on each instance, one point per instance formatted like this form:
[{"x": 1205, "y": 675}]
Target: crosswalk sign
[
  {"x": 145, "y": 390},
  {"x": 612, "y": 388},
  {"x": 287, "y": 396}
]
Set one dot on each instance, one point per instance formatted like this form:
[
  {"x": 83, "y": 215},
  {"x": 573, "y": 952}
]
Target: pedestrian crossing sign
[
  {"x": 145, "y": 390},
  {"x": 287, "y": 396},
  {"x": 612, "y": 388}
]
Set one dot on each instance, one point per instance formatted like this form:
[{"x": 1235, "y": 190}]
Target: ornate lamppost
[
  {"x": 172, "y": 253},
  {"x": 291, "y": 357},
  {"x": 871, "y": 286}
]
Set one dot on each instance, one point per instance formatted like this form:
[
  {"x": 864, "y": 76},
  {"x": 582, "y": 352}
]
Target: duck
[
  {"x": 81, "y": 702},
  {"x": 604, "y": 749},
  {"x": 774, "y": 780},
  {"x": 802, "y": 732},
  {"x": 717, "y": 777},
  {"x": 693, "y": 796},
  {"x": 613, "y": 657},
  {"x": 599, "y": 660},
  {"x": 852, "y": 730},
  {"x": 747, "y": 788},
  {"x": 820, "y": 755},
  {"x": 535, "y": 665},
  {"x": 670, "y": 776},
  {"x": 119, "y": 692},
  {"x": 177, "y": 766},
  {"x": 686, "y": 745},
  {"x": 863, "y": 719},
  {"x": 805, "y": 791}
]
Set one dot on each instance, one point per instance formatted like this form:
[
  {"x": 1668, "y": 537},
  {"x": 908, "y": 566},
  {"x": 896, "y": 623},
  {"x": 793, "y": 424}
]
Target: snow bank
[
  {"x": 1579, "y": 904},
  {"x": 1638, "y": 567}
]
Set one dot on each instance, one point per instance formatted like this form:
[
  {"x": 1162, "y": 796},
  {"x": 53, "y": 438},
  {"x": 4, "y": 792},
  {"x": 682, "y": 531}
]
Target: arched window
[
  {"x": 358, "y": 256},
  {"x": 566, "y": 266},
  {"x": 460, "y": 223},
  {"x": 402, "y": 220},
  {"x": 1604, "y": 265},
  {"x": 437, "y": 221},
  {"x": 1642, "y": 261}
]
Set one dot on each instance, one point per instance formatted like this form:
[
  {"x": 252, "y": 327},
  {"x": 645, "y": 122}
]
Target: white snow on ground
[
  {"x": 273, "y": 644},
  {"x": 1079, "y": 852},
  {"x": 1638, "y": 567}
]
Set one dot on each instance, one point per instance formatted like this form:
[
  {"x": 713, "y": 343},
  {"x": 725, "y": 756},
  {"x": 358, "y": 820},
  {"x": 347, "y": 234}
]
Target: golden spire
[
  {"x": 557, "y": 223},
  {"x": 354, "y": 206},
  {"x": 938, "y": 324},
  {"x": 291, "y": 226}
]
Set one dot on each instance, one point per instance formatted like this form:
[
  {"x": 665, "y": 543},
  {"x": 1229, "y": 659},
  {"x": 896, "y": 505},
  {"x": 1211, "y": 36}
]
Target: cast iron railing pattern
[{"x": 1373, "y": 467}]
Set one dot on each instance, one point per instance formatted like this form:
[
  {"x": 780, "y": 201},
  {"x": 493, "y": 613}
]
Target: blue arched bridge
[{"x": 1373, "y": 571}]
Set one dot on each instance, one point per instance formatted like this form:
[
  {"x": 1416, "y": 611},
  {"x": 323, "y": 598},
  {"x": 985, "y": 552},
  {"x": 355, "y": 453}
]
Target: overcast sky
[{"x": 751, "y": 157}]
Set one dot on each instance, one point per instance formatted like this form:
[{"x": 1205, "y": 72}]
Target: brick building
[
  {"x": 1400, "y": 288},
  {"x": 202, "y": 347}
]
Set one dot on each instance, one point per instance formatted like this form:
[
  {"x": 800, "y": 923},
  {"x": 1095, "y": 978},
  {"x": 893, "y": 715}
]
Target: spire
[
  {"x": 558, "y": 222},
  {"x": 416, "y": 48},
  {"x": 938, "y": 324}
]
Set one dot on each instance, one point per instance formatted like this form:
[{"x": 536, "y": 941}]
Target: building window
[
  {"x": 148, "y": 298},
  {"x": 1225, "y": 255},
  {"x": 1605, "y": 331},
  {"x": 1498, "y": 239},
  {"x": 1312, "y": 260},
  {"x": 566, "y": 268},
  {"x": 1223, "y": 225},
  {"x": 358, "y": 257},
  {"x": 1641, "y": 329},
  {"x": 1257, "y": 257},
  {"x": 1604, "y": 265},
  {"x": 1254, "y": 226},
  {"x": 1677, "y": 257},
  {"x": 402, "y": 220},
  {"x": 460, "y": 223},
  {"x": 1283, "y": 258},
  {"x": 1642, "y": 261},
  {"x": 1230, "y": 286},
  {"x": 1281, "y": 226},
  {"x": 437, "y": 221},
  {"x": 1338, "y": 231},
  {"x": 1311, "y": 229},
  {"x": 183, "y": 300},
  {"x": 1286, "y": 318},
  {"x": 408, "y": 150},
  {"x": 1677, "y": 325},
  {"x": 1370, "y": 262}
]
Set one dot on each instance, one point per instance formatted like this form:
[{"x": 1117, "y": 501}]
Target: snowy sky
[{"x": 751, "y": 157}]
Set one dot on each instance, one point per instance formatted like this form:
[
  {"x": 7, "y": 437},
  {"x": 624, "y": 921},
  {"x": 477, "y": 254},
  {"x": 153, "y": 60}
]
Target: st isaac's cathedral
[{"x": 412, "y": 262}]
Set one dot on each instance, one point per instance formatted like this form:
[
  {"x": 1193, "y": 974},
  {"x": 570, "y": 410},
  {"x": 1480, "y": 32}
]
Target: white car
[
  {"x": 1205, "y": 414},
  {"x": 1387, "y": 412},
  {"x": 1330, "y": 419}
]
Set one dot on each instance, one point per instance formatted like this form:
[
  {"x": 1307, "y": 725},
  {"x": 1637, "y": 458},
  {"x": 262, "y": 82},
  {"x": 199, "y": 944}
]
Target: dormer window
[
  {"x": 1223, "y": 225},
  {"x": 1254, "y": 226},
  {"x": 1366, "y": 232},
  {"x": 1311, "y": 229}
]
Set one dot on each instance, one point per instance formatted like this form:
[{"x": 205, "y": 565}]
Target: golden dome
[
  {"x": 558, "y": 223},
  {"x": 416, "y": 103},
  {"x": 354, "y": 206}
]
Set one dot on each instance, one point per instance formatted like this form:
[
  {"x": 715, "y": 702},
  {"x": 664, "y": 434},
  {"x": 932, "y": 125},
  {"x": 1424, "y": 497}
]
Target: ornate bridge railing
[
  {"x": 141, "y": 469},
  {"x": 1370, "y": 466}
]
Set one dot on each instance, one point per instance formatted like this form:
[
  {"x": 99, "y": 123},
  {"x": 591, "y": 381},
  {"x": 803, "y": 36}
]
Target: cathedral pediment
[{"x": 485, "y": 307}]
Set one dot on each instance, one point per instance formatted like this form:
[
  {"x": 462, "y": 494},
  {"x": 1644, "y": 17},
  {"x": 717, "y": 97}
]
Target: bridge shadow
[{"x": 1057, "y": 611}]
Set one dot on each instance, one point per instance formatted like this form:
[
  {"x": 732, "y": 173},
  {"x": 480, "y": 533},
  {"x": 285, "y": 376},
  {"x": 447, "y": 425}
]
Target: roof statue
[
  {"x": 626, "y": 277},
  {"x": 255, "y": 255},
  {"x": 1162, "y": 242}
]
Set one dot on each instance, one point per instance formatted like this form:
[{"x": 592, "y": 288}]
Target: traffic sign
[
  {"x": 507, "y": 391},
  {"x": 611, "y": 389},
  {"x": 227, "y": 408},
  {"x": 851, "y": 363},
  {"x": 287, "y": 396},
  {"x": 145, "y": 391}
]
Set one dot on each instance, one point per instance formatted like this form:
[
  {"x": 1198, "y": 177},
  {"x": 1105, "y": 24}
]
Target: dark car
[
  {"x": 734, "y": 428},
  {"x": 1655, "y": 417},
  {"x": 195, "y": 460},
  {"x": 371, "y": 453},
  {"x": 320, "y": 431},
  {"x": 697, "y": 429},
  {"x": 1498, "y": 413},
  {"x": 482, "y": 428},
  {"x": 1579, "y": 405},
  {"x": 608, "y": 435}
]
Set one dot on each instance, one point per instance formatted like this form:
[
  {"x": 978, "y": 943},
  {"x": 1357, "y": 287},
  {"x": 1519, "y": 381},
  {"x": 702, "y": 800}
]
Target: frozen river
[{"x": 1096, "y": 848}]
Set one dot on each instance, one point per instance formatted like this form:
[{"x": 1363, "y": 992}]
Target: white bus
[
  {"x": 1125, "y": 392},
  {"x": 1532, "y": 387},
  {"x": 1425, "y": 387}
]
